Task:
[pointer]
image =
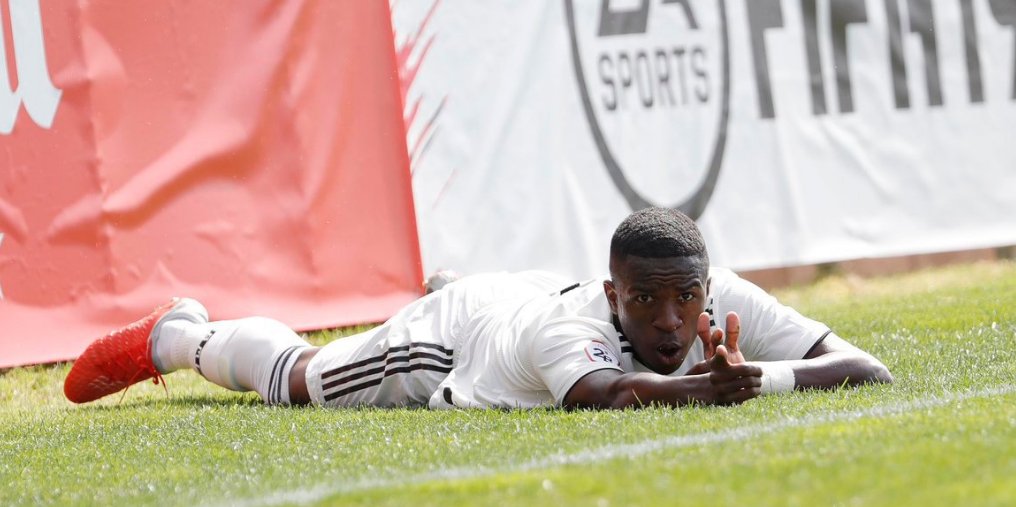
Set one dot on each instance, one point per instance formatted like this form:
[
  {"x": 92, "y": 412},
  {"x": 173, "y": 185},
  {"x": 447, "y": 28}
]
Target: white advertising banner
[{"x": 793, "y": 131}]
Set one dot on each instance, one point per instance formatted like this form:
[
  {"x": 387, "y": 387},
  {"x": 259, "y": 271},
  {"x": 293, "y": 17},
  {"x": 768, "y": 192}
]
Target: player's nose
[{"x": 668, "y": 319}]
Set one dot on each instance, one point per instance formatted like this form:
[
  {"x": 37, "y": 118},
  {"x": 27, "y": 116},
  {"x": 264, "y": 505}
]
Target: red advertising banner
[{"x": 249, "y": 154}]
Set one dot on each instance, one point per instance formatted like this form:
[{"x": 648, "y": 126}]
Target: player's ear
[{"x": 611, "y": 292}]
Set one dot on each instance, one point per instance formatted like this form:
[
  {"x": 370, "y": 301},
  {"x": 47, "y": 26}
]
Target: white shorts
[{"x": 401, "y": 362}]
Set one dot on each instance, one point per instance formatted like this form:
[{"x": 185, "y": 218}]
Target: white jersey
[{"x": 524, "y": 340}]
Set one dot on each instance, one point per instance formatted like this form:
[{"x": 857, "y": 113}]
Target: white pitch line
[{"x": 608, "y": 452}]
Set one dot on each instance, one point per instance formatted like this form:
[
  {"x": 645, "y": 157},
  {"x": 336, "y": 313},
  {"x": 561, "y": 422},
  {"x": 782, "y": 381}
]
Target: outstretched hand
[
  {"x": 733, "y": 382},
  {"x": 712, "y": 341}
]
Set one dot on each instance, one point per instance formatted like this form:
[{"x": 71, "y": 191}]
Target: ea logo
[{"x": 654, "y": 77}]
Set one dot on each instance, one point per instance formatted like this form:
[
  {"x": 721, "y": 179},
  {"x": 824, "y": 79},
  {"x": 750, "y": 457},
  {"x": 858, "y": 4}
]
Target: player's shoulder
[
  {"x": 561, "y": 332},
  {"x": 728, "y": 286},
  {"x": 723, "y": 278},
  {"x": 720, "y": 272},
  {"x": 578, "y": 326}
]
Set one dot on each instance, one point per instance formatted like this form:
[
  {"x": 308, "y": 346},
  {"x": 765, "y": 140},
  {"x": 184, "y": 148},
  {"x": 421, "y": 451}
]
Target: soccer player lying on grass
[{"x": 647, "y": 335}]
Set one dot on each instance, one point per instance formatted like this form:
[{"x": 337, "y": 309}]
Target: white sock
[
  {"x": 174, "y": 346},
  {"x": 255, "y": 353}
]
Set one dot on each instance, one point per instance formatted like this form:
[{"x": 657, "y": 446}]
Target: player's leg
[
  {"x": 266, "y": 356},
  {"x": 249, "y": 354},
  {"x": 298, "y": 394},
  {"x": 397, "y": 364},
  {"x": 391, "y": 365},
  {"x": 246, "y": 354},
  {"x": 402, "y": 362}
]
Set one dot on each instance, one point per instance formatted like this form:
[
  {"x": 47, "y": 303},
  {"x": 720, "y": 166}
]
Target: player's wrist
[{"x": 777, "y": 377}]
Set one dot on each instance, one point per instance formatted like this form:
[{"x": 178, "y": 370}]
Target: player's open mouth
[{"x": 668, "y": 349}]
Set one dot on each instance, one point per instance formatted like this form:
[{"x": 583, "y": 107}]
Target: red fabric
[{"x": 249, "y": 154}]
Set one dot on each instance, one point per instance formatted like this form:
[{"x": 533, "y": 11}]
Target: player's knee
[
  {"x": 274, "y": 330},
  {"x": 298, "y": 392}
]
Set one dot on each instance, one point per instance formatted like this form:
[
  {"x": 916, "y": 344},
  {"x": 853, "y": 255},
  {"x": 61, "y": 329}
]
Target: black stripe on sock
[
  {"x": 383, "y": 357},
  {"x": 197, "y": 353},
  {"x": 275, "y": 384},
  {"x": 393, "y": 371},
  {"x": 271, "y": 378},
  {"x": 374, "y": 371}
]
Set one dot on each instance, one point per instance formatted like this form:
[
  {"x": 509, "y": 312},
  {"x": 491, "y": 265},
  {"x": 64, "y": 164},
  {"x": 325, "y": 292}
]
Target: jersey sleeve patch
[{"x": 598, "y": 352}]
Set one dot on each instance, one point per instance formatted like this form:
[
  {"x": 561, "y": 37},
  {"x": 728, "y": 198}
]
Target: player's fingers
[
  {"x": 746, "y": 383},
  {"x": 699, "y": 368},
  {"x": 716, "y": 338},
  {"x": 733, "y": 331},
  {"x": 740, "y": 396},
  {"x": 702, "y": 327},
  {"x": 744, "y": 369},
  {"x": 725, "y": 384},
  {"x": 719, "y": 361}
]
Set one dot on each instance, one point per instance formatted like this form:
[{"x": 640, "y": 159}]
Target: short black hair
[{"x": 656, "y": 233}]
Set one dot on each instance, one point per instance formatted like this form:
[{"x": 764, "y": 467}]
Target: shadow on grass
[
  {"x": 195, "y": 401},
  {"x": 244, "y": 400}
]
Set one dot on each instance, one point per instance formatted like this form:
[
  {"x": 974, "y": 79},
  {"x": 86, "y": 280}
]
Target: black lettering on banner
[
  {"x": 763, "y": 15},
  {"x": 674, "y": 57},
  {"x": 970, "y": 50},
  {"x": 648, "y": 73},
  {"x": 649, "y": 76},
  {"x": 1005, "y": 13},
  {"x": 624, "y": 75},
  {"x": 608, "y": 80},
  {"x": 698, "y": 65},
  {"x": 922, "y": 22},
  {"x": 897, "y": 64},
  {"x": 622, "y": 22},
  {"x": 630, "y": 21},
  {"x": 809, "y": 17},
  {"x": 843, "y": 13},
  {"x": 663, "y": 76},
  {"x": 644, "y": 79},
  {"x": 679, "y": 57}
]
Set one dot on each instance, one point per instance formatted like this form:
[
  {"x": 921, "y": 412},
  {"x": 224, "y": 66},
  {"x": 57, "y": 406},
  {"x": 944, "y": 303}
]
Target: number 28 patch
[{"x": 597, "y": 352}]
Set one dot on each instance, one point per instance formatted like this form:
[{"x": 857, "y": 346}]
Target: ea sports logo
[{"x": 654, "y": 77}]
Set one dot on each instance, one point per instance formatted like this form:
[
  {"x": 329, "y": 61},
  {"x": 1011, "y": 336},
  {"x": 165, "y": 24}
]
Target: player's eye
[
  {"x": 687, "y": 297},
  {"x": 643, "y": 298}
]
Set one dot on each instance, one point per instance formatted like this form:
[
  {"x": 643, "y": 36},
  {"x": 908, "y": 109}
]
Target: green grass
[{"x": 938, "y": 436}]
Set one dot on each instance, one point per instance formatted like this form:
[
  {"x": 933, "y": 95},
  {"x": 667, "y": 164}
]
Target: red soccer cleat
[{"x": 117, "y": 360}]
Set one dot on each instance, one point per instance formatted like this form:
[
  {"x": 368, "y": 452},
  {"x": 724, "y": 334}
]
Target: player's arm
[
  {"x": 834, "y": 362},
  {"x": 725, "y": 383},
  {"x": 831, "y": 363}
]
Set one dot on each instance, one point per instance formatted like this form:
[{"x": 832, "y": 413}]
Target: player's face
[{"x": 657, "y": 302}]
